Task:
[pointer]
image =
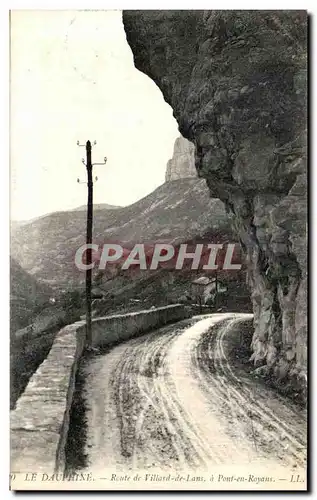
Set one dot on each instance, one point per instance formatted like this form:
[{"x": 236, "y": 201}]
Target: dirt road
[{"x": 171, "y": 399}]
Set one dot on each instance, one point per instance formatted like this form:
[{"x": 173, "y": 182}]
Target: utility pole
[
  {"x": 89, "y": 242},
  {"x": 90, "y": 184}
]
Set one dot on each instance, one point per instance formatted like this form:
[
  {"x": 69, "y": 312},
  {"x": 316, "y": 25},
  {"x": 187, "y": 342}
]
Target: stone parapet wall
[{"x": 40, "y": 421}]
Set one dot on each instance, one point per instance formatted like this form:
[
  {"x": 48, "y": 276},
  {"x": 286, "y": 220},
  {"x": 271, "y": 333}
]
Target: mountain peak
[{"x": 182, "y": 165}]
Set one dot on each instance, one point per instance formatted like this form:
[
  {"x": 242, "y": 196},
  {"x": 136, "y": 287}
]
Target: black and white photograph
[{"x": 158, "y": 250}]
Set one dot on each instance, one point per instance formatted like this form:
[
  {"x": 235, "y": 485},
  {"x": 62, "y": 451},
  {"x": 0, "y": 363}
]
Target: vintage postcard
[{"x": 158, "y": 250}]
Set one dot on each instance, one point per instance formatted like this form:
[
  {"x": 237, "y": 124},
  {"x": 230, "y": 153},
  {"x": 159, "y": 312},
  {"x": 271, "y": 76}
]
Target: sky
[{"x": 73, "y": 78}]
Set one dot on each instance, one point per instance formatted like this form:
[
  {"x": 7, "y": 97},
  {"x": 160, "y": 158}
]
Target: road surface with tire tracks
[{"x": 172, "y": 400}]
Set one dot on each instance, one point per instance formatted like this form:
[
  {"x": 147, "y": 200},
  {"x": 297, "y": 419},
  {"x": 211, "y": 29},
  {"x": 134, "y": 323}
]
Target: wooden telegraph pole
[
  {"x": 89, "y": 242},
  {"x": 90, "y": 184}
]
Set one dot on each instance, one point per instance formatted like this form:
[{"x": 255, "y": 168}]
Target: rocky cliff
[
  {"x": 236, "y": 81},
  {"x": 182, "y": 165}
]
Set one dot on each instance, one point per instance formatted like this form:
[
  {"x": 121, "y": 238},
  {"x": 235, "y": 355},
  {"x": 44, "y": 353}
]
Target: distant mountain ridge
[
  {"x": 97, "y": 206},
  {"x": 176, "y": 211}
]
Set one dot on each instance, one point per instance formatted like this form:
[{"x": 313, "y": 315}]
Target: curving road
[{"x": 172, "y": 399}]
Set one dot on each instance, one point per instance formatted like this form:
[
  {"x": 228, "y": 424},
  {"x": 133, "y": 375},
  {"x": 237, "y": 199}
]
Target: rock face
[
  {"x": 236, "y": 81},
  {"x": 182, "y": 165}
]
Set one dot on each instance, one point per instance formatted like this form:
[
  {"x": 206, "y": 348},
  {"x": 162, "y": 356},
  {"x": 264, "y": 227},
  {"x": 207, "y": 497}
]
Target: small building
[{"x": 204, "y": 288}]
